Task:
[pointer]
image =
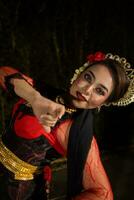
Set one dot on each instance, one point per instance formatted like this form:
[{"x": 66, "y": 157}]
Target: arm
[
  {"x": 22, "y": 88},
  {"x": 6, "y": 71},
  {"x": 95, "y": 181},
  {"x": 41, "y": 106},
  {"x": 47, "y": 111}
]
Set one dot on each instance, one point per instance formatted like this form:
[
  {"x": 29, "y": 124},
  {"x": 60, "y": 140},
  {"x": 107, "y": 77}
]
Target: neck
[{"x": 66, "y": 100}]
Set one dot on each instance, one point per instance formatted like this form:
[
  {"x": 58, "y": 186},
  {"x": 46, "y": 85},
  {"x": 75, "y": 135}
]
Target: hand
[{"x": 48, "y": 112}]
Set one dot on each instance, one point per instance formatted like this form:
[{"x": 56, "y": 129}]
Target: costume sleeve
[
  {"x": 6, "y": 73},
  {"x": 95, "y": 180}
]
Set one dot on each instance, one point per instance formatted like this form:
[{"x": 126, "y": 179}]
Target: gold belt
[{"x": 21, "y": 169}]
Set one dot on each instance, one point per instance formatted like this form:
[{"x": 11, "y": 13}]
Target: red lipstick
[{"x": 80, "y": 96}]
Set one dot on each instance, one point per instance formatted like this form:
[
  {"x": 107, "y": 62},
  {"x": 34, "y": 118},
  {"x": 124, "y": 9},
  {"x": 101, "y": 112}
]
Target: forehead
[{"x": 100, "y": 71}]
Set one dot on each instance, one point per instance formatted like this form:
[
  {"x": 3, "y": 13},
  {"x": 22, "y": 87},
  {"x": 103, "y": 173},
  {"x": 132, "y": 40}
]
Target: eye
[
  {"x": 88, "y": 77},
  {"x": 100, "y": 91}
]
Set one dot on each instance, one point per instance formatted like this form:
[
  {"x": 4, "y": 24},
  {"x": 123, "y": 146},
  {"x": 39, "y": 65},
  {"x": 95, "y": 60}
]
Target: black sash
[{"x": 79, "y": 143}]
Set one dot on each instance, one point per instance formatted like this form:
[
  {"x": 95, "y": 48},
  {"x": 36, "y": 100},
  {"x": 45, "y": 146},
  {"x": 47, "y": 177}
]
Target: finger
[
  {"x": 44, "y": 120},
  {"x": 59, "y": 112},
  {"x": 50, "y": 124},
  {"x": 47, "y": 129},
  {"x": 48, "y": 117}
]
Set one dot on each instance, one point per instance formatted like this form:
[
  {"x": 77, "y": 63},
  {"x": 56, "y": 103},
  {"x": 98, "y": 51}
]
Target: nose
[{"x": 87, "y": 90}]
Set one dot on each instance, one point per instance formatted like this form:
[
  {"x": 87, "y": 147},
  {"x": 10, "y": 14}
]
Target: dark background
[{"x": 48, "y": 39}]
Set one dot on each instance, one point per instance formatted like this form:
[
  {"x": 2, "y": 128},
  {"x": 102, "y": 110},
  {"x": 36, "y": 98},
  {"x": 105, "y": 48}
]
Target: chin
[
  {"x": 79, "y": 104},
  {"x": 82, "y": 105}
]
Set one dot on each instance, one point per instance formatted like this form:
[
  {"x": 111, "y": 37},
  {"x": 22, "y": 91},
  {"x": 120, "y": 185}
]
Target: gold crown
[
  {"x": 78, "y": 72},
  {"x": 129, "y": 95}
]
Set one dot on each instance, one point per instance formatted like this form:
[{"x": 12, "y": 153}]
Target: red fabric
[
  {"x": 6, "y": 71},
  {"x": 28, "y": 127},
  {"x": 95, "y": 180},
  {"x": 54, "y": 142},
  {"x": 17, "y": 105},
  {"x": 98, "y": 56},
  {"x": 47, "y": 173}
]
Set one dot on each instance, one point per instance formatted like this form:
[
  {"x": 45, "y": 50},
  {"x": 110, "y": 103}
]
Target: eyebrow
[
  {"x": 92, "y": 74},
  {"x": 105, "y": 88}
]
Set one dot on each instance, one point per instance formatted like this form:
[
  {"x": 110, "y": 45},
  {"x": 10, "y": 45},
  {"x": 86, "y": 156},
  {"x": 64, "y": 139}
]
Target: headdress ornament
[{"x": 99, "y": 56}]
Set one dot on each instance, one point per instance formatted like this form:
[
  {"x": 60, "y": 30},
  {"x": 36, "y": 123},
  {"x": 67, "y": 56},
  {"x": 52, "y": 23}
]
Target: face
[{"x": 92, "y": 88}]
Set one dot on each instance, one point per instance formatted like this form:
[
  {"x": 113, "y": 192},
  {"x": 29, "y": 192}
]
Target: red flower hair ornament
[{"x": 98, "y": 56}]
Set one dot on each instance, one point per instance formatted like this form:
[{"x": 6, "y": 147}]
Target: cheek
[
  {"x": 97, "y": 100},
  {"x": 77, "y": 85},
  {"x": 80, "y": 83}
]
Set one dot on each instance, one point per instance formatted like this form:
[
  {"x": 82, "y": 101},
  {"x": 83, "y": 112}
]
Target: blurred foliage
[{"x": 48, "y": 39}]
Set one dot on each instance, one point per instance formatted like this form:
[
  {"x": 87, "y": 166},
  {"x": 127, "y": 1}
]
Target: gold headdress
[
  {"x": 129, "y": 95},
  {"x": 98, "y": 56}
]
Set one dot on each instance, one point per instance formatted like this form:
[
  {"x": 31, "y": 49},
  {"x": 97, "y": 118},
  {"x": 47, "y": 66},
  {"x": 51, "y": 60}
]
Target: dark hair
[{"x": 120, "y": 79}]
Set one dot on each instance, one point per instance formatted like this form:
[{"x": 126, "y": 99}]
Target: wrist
[
  {"x": 25, "y": 90},
  {"x": 33, "y": 97}
]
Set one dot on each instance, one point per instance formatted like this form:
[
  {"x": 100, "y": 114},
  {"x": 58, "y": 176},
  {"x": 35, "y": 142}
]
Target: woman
[{"x": 42, "y": 129}]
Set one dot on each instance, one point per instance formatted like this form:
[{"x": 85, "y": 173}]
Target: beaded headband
[{"x": 99, "y": 56}]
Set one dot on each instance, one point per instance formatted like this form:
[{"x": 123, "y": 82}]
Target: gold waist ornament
[{"x": 21, "y": 170}]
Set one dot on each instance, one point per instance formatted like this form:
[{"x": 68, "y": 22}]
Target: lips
[{"x": 80, "y": 96}]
